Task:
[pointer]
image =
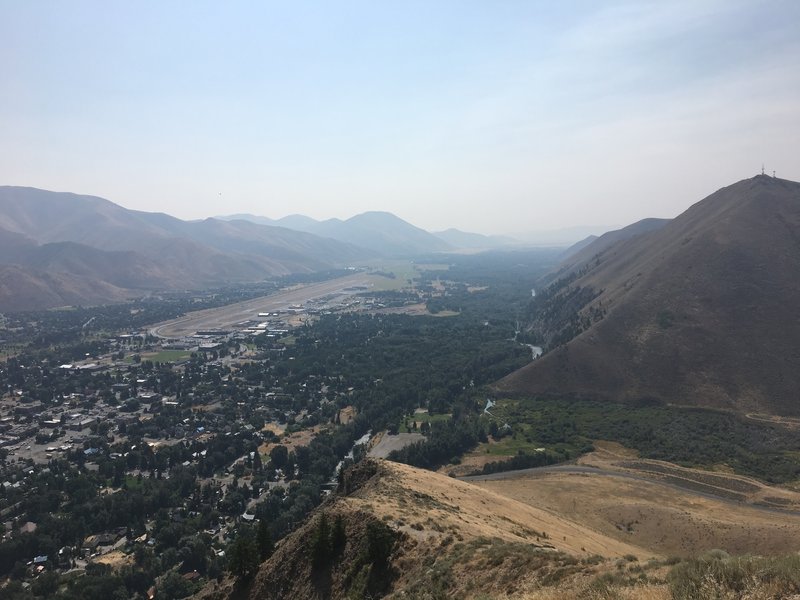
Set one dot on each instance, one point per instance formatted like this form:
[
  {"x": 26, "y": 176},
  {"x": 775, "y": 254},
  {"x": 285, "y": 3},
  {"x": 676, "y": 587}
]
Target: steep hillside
[
  {"x": 408, "y": 532},
  {"x": 294, "y": 250},
  {"x": 296, "y": 222},
  {"x": 88, "y": 237},
  {"x": 60, "y": 217},
  {"x": 381, "y": 233},
  {"x": 247, "y": 217},
  {"x": 699, "y": 312},
  {"x": 476, "y": 241},
  {"x": 300, "y": 223},
  {"x": 65, "y": 273},
  {"x": 125, "y": 269},
  {"x": 47, "y": 216},
  {"x": 29, "y": 289},
  {"x": 579, "y": 255},
  {"x": 578, "y": 246}
]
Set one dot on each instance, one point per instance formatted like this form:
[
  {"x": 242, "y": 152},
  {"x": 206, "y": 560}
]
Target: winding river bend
[{"x": 536, "y": 351}]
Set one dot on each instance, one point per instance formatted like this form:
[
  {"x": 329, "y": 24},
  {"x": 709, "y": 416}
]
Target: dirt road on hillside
[{"x": 674, "y": 483}]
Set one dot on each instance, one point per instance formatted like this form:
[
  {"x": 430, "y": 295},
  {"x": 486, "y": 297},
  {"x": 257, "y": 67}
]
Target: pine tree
[
  {"x": 338, "y": 536},
  {"x": 243, "y": 556},
  {"x": 320, "y": 541},
  {"x": 264, "y": 540}
]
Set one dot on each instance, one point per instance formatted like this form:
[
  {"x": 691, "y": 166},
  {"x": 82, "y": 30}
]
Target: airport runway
[{"x": 227, "y": 317}]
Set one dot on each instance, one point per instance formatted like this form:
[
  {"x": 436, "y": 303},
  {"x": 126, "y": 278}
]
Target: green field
[
  {"x": 164, "y": 356},
  {"x": 421, "y": 418},
  {"x": 510, "y": 446},
  {"x": 405, "y": 272}
]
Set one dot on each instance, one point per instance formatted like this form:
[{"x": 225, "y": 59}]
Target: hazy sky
[{"x": 490, "y": 116}]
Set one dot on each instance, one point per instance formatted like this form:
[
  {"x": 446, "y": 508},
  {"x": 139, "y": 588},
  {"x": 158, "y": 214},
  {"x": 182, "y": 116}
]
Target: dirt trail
[
  {"x": 659, "y": 506},
  {"x": 429, "y": 507}
]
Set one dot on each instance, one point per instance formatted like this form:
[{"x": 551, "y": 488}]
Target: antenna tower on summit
[{"x": 762, "y": 168}]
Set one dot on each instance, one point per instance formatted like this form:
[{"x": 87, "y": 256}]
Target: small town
[
  {"x": 400, "y": 300},
  {"x": 221, "y": 429}
]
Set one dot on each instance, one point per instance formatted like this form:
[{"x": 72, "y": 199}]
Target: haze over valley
[{"x": 424, "y": 301}]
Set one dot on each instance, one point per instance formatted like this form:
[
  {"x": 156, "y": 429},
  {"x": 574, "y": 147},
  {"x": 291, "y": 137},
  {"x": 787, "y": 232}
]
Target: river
[{"x": 359, "y": 442}]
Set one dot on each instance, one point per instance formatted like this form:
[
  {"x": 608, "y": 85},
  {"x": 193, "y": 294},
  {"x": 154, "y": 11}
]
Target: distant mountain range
[
  {"x": 698, "y": 310},
  {"x": 84, "y": 249},
  {"x": 60, "y": 249},
  {"x": 383, "y": 233},
  {"x": 474, "y": 241}
]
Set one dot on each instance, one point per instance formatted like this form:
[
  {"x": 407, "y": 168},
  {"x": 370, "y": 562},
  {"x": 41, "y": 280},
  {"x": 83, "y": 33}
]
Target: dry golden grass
[
  {"x": 463, "y": 541},
  {"x": 415, "y": 310},
  {"x": 292, "y": 440},
  {"x": 115, "y": 559},
  {"x": 654, "y": 517},
  {"x": 473, "y": 461},
  {"x": 430, "y": 507},
  {"x": 616, "y": 457},
  {"x": 347, "y": 414},
  {"x": 586, "y": 592},
  {"x": 274, "y": 428}
]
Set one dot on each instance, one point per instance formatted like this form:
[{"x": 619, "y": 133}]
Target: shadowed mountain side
[
  {"x": 47, "y": 216},
  {"x": 701, "y": 312},
  {"x": 474, "y": 241},
  {"x": 123, "y": 269},
  {"x": 86, "y": 236},
  {"x": 27, "y": 289},
  {"x": 299, "y": 250},
  {"x": 584, "y": 252},
  {"x": 128, "y": 269},
  {"x": 578, "y": 246},
  {"x": 382, "y": 233}
]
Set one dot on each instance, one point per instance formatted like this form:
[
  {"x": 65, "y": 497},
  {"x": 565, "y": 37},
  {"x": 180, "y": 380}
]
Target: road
[
  {"x": 226, "y": 317},
  {"x": 578, "y": 469},
  {"x": 390, "y": 443}
]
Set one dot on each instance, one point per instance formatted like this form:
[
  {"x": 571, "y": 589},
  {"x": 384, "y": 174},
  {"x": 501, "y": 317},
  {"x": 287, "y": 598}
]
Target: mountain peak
[
  {"x": 652, "y": 316},
  {"x": 116, "y": 253}
]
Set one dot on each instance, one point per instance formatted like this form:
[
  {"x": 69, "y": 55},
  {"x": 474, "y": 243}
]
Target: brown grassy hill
[
  {"x": 700, "y": 312},
  {"x": 666, "y": 509},
  {"x": 63, "y": 235},
  {"x": 580, "y": 255},
  {"x": 443, "y": 534},
  {"x": 67, "y": 273},
  {"x": 48, "y": 217},
  {"x": 28, "y": 289},
  {"x": 413, "y": 534},
  {"x": 382, "y": 233}
]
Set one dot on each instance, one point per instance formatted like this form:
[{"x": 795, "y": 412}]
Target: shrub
[{"x": 718, "y": 575}]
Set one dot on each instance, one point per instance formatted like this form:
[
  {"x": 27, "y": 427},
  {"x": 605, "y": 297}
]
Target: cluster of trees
[
  {"x": 384, "y": 365},
  {"x": 396, "y": 363},
  {"x": 447, "y": 441},
  {"x": 250, "y": 547},
  {"x": 687, "y": 436},
  {"x": 524, "y": 460}
]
